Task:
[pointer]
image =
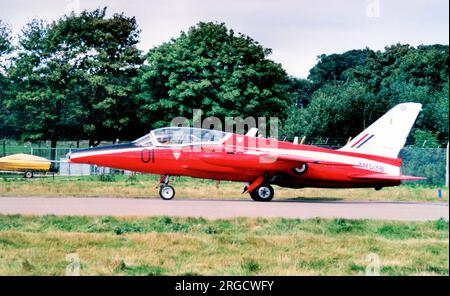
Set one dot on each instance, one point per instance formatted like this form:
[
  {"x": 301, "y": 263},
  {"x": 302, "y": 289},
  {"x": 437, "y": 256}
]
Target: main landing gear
[
  {"x": 263, "y": 192},
  {"x": 260, "y": 189},
  {"x": 166, "y": 191}
]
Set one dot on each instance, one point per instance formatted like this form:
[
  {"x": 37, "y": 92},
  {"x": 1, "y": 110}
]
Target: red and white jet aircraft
[{"x": 369, "y": 160}]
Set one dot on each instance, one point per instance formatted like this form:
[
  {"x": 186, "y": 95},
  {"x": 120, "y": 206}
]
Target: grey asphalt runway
[{"x": 216, "y": 209}]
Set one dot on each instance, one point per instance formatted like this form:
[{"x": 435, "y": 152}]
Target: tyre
[
  {"x": 301, "y": 170},
  {"x": 254, "y": 196},
  {"x": 263, "y": 192},
  {"x": 28, "y": 175},
  {"x": 166, "y": 192}
]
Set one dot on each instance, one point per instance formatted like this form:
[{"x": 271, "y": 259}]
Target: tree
[
  {"x": 213, "y": 69},
  {"x": 6, "y": 129},
  {"x": 73, "y": 77},
  {"x": 331, "y": 107},
  {"x": 356, "y": 88},
  {"x": 107, "y": 60},
  {"x": 43, "y": 106},
  {"x": 300, "y": 91},
  {"x": 331, "y": 68}
]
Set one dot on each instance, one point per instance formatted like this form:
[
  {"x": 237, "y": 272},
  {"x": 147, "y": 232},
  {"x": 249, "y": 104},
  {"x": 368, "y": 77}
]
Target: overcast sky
[{"x": 296, "y": 31}]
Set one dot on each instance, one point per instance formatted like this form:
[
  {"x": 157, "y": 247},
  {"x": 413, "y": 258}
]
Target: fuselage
[{"x": 235, "y": 157}]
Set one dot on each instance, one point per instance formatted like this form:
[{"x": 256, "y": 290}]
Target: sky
[{"x": 296, "y": 31}]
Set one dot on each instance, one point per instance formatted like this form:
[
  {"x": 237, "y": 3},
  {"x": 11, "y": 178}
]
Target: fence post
[{"x": 446, "y": 168}]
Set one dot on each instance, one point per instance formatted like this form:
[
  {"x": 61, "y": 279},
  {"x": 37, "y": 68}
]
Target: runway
[{"x": 218, "y": 209}]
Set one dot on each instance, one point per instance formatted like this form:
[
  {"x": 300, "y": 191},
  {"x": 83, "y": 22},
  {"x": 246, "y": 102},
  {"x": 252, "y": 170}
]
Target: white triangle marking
[
  {"x": 177, "y": 155},
  {"x": 239, "y": 139}
]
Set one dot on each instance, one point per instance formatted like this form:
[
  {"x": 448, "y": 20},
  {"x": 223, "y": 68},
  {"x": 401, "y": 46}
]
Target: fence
[{"x": 431, "y": 163}]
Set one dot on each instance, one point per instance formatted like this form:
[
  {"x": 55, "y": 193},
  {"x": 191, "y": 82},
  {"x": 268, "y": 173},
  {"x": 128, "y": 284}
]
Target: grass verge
[
  {"x": 31, "y": 245},
  {"x": 142, "y": 186}
]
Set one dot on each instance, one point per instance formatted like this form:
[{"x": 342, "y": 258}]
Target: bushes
[{"x": 425, "y": 162}]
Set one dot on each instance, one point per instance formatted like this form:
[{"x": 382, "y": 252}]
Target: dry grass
[
  {"x": 181, "y": 246},
  {"x": 143, "y": 187}
]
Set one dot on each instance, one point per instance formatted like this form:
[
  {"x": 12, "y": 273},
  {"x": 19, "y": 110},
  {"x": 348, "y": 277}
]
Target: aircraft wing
[
  {"x": 385, "y": 177},
  {"x": 299, "y": 159}
]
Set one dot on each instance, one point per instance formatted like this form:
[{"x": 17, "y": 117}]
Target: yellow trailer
[{"x": 24, "y": 163}]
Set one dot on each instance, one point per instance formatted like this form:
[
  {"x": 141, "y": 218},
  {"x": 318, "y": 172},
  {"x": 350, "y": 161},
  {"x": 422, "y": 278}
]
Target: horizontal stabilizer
[{"x": 385, "y": 177}]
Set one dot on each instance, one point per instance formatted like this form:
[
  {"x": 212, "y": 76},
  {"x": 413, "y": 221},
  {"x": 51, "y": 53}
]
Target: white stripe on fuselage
[
  {"x": 358, "y": 162},
  {"x": 75, "y": 155}
]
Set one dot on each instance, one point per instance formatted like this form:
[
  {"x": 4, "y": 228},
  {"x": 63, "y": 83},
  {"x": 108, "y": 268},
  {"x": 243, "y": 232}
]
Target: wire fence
[{"x": 431, "y": 163}]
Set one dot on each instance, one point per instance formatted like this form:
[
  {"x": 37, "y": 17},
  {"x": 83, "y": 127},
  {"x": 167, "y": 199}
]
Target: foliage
[
  {"x": 82, "y": 77},
  {"x": 428, "y": 162},
  {"x": 332, "y": 68},
  {"x": 5, "y": 39},
  {"x": 72, "y": 77},
  {"x": 213, "y": 69},
  {"x": 425, "y": 139},
  {"x": 6, "y": 129},
  {"x": 353, "y": 89}
]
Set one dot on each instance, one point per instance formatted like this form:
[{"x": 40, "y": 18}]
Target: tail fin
[{"x": 387, "y": 135}]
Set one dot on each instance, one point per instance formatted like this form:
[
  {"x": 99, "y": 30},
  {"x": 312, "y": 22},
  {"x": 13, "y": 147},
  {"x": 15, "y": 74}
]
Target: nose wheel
[
  {"x": 166, "y": 192},
  {"x": 263, "y": 192}
]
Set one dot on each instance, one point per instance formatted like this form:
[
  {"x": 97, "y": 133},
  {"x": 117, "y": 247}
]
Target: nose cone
[{"x": 97, "y": 155}]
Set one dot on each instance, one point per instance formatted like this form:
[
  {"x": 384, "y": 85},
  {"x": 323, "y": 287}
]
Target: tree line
[{"x": 83, "y": 77}]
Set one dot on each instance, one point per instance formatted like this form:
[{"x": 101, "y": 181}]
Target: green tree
[
  {"x": 43, "y": 106},
  {"x": 6, "y": 129},
  {"x": 331, "y": 68},
  {"x": 73, "y": 78},
  {"x": 106, "y": 60},
  {"x": 213, "y": 69},
  {"x": 335, "y": 112},
  {"x": 357, "y": 87},
  {"x": 299, "y": 92}
]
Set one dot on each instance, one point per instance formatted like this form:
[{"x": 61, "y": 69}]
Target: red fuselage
[{"x": 244, "y": 159}]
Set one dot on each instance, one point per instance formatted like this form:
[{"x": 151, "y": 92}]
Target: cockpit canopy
[{"x": 181, "y": 136}]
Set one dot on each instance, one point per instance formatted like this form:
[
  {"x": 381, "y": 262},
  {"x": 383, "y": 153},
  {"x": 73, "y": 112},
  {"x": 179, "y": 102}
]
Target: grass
[
  {"x": 31, "y": 245},
  {"x": 142, "y": 186}
]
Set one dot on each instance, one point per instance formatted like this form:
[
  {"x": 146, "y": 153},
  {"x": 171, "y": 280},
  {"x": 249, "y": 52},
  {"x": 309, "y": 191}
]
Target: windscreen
[{"x": 186, "y": 136}]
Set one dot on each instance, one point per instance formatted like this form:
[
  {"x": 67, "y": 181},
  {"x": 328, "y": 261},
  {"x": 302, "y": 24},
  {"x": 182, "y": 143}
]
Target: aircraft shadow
[{"x": 312, "y": 199}]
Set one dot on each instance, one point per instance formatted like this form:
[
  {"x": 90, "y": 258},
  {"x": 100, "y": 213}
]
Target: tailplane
[{"x": 387, "y": 135}]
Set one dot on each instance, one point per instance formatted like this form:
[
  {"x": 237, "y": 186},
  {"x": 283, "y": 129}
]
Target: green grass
[
  {"x": 142, "y": 186},
  {"x": 243, "y": 246}
]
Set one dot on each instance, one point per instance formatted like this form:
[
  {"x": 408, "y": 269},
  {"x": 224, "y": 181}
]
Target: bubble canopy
[{"x": 181, "y": 136}]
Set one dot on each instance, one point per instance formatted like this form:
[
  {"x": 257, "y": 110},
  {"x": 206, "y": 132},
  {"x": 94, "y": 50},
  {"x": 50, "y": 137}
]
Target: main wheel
[
  {"x": 264, "y": 192},
  {"x": 166, "y": 192},
  {"x": 28, "y": 175}
]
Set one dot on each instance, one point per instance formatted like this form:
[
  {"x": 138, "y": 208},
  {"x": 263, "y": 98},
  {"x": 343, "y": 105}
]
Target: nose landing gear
[{"x": 166, "y": 192}]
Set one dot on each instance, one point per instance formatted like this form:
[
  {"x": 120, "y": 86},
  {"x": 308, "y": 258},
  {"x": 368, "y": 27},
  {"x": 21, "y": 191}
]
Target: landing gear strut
[
  {"x": 166, "y": 191},
  {"x": 263, "y": 192}
]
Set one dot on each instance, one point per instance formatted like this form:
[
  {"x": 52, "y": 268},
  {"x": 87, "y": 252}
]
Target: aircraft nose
[{"x": 91, "y": 155}]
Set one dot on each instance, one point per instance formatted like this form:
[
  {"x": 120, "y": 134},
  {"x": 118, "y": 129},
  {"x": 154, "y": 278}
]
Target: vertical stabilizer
[{"x": 387, "y": 135}]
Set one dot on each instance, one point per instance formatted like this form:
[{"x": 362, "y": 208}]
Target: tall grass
[{"x": 241, "y": 246}]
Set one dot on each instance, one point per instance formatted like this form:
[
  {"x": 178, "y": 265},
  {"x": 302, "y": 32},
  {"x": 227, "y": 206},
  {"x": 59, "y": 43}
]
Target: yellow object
[{"x": 24, "y": 162}]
